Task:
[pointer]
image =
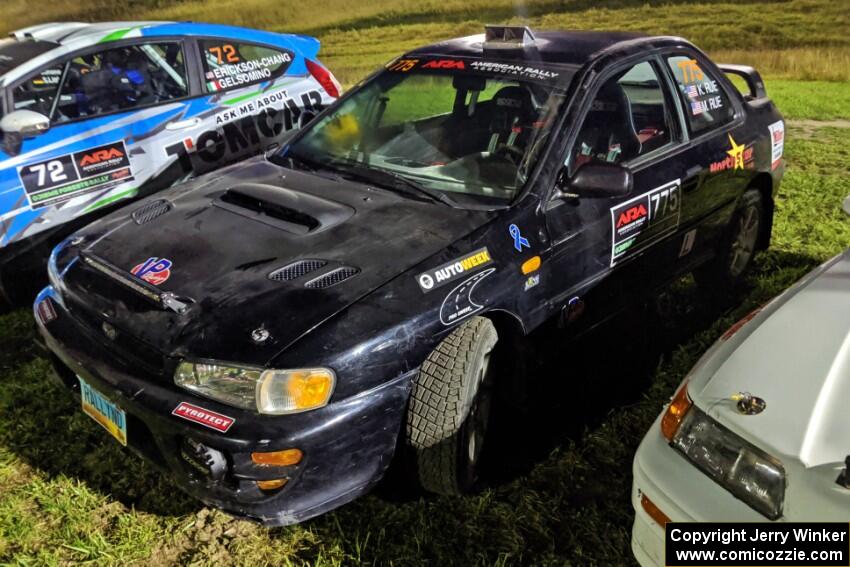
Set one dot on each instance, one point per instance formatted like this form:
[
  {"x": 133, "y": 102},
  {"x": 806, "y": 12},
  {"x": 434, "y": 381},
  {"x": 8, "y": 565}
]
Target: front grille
[
  {"x": 332, "y": 278},
  {"x": 149, "y": 212},
  {"x": 296, "y": 270}
]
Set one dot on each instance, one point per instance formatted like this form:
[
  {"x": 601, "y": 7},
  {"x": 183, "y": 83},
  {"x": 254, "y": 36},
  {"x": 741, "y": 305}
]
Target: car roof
[
  {"x": 574, "y": 48},
  {"x": 69, "y": 36}
]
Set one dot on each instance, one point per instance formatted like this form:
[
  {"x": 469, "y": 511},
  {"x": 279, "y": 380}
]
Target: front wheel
[
  {"x": 735, "y": 256},
  {"x": 449, "y": 409}
]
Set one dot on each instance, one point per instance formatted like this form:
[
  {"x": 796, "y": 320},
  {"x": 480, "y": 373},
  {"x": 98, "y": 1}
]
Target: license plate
[{"x": 108, "y": 415}]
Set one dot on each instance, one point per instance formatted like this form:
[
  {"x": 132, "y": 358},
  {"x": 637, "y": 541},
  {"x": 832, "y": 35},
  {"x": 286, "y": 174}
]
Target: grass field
[{"x": 68, "y": 494}]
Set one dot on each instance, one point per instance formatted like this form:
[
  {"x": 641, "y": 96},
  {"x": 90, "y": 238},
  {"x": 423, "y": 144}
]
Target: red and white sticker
[
  {"x": 203, "y": 416},
  {"x": 45, "y": 311},
  {"x": 777, "y": 143}
]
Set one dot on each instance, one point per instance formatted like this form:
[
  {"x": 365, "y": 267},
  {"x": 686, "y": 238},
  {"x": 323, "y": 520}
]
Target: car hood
[
  {"x": 224, "y": 238},
  {"x": 795, "y": 355}
]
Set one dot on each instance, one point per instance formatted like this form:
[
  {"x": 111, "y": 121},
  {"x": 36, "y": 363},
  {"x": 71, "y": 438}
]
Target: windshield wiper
[{"x": 391, "y": 180}]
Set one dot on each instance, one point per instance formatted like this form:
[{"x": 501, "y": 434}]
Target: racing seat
[
  {"x": 608, "y": 133},
  {"x": 512, "y": 116}
]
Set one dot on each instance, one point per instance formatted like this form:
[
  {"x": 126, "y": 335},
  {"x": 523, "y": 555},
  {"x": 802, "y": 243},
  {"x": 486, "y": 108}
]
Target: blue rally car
[{"x": 93, "y": 115}]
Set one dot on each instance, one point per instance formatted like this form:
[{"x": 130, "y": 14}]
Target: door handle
[
  {"x": 182, "y": 124},
  {"x": 691, "y": 180}
]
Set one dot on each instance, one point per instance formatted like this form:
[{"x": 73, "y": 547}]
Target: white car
[{"x": 758, "y": 431}]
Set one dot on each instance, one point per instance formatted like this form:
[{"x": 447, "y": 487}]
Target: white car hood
[{"x": 795, "y": 354}]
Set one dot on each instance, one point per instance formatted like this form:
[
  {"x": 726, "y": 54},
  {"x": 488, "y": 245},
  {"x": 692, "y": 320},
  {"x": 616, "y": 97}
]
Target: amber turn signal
[
  {"x": 271, "y": 484},
  {"x": 649, "y": 506},
  {"x": 679, "y": 406},
  {"x": 284, "y": 458},
  {"x": 531, "y": 265}
]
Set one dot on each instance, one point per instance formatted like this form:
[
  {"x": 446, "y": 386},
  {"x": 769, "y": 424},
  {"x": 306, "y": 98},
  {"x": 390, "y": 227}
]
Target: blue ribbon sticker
[{"x": 519, "y": 239}]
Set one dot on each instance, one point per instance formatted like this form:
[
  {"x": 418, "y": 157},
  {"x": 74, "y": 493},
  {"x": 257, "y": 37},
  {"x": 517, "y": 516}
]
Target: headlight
[
  {"x": 273, "y": 392},
  {"x": 742, "y": 468}
]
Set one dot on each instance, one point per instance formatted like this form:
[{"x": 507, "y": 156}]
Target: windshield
[
  {"x": 14, "y": 52},
  {"x": 456, "y": 130}
]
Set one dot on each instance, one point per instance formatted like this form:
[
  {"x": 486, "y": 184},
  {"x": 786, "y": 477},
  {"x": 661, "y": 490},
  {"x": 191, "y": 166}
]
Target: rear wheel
[
  {"x": 449, "y": 410},
  {"x": 735, "y": 257}
]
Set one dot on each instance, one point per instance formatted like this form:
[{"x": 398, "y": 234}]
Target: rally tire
[
  {"x": 449, "y": 409},
  {"x": 734, "y": 259}
]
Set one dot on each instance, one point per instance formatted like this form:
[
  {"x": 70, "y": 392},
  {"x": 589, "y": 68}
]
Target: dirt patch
[{"x": 808, "y": 128}]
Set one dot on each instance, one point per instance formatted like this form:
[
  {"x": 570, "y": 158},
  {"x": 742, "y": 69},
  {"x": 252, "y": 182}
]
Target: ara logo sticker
[
  {"x": 444, "y": 64},
  {"x": 632, "y": 215},
  {"x": 520, "y": 241},
  {"x": 450, "y": 271},
  {"x": 154, "y": 270},
  {"x": 205, "y": 417},
  {"x": 459, "y": 304}
]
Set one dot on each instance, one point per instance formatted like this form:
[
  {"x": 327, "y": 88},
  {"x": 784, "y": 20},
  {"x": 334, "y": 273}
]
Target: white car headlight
[
  {"x": 742, "y": 468},
  {"x": 273, "y": 392}
]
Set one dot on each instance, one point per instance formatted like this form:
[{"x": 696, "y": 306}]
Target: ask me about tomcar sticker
[{"x": 641, "y": 222}]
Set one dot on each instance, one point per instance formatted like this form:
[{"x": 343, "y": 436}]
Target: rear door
[
  {"x": 109, "y": 108},
  {"x": 254, "y": 94},
  {"x": 719, "y": 154}
]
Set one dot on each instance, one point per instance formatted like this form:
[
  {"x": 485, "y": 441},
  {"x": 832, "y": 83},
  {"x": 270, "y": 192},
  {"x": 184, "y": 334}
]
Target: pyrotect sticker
[
  {"x": 777, "y": 143},
  {"x": 154, "y": 270},
  {"x": 641, "y": 222},
  {"x": 205, "y": 417},
  {"x": 450, "y": 271},
  {"x": 62, "y": 178}
]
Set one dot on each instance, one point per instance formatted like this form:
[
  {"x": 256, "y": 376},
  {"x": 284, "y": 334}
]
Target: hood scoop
[{"x": 292, "y": 211}]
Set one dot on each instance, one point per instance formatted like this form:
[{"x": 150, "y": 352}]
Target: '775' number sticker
[{"x": 641, "y": 222}]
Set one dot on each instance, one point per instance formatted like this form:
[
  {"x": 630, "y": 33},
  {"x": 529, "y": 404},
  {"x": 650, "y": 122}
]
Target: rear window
[
  {"x": 707, "y": 106},
  {"x": 231, "y": 64}
]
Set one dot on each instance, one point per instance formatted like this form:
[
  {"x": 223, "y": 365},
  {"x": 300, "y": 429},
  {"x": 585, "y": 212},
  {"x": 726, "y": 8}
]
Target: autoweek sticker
[
  {"x": 203, "y": 416},
  {"x": 640, "y": 222},
  {"x": 453, "y": 270}
]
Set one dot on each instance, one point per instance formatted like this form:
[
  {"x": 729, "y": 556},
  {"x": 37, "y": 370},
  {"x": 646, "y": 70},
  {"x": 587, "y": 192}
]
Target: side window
[
  {"x": 628, "y": 118},
  {"x": 39, "y": 91},
  {"x": 706, "y": 104},
  {"x": 122, "y": 78},
  {"x": 229, "y": 64}
]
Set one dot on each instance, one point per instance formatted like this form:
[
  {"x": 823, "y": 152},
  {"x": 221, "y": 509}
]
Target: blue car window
[
  {"x": 229, "y": 64},
  {"x": 122, "y": 78},
  {"x": 39, "y": 91}
]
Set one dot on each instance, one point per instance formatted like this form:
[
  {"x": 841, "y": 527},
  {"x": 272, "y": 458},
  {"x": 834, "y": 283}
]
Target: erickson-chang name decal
[
  {"x": 640, "y": 222},
  {"x": 62, "y": 178},
  {"x": 451, "y": 271}
]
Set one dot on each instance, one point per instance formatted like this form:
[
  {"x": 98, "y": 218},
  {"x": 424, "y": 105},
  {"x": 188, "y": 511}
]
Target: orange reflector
[
  {"x": 283, "y": 458},
  {"x": 271, "y": 484},
  {"x": 660, "y": 517},
  {"x": 675, "y": 413},
  {"x": 531, "y": 265}
]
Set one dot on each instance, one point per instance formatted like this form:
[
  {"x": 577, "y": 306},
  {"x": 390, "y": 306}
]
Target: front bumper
[
  {"x": 681, "y": 491},
  {"x": 347, "y": 445}
]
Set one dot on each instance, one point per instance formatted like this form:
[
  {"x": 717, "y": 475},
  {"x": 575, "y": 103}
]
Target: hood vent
[
  {"x": 151, "y": 211},
  {"x": 332, "y": 278},
  {"x": 296, "y": 270}
]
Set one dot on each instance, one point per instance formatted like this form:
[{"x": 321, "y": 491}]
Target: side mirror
[
  {"x": 21, "y": 124},
  {"x": 847, "y": 205},
  {"x": 595, "y": 180}
]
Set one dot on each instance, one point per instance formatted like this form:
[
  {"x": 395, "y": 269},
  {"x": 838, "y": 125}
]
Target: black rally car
[{"x": 269, "y": 332}]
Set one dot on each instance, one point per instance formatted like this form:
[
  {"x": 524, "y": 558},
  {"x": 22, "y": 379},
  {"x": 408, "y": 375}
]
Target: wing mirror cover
[
  {"x": 599, "y": 180},
  {"x": 21, "y": 124}
]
